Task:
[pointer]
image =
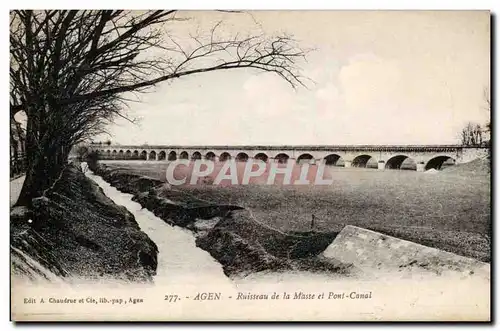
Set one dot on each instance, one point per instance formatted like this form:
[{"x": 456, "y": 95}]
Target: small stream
[{"x": 180, "y": 262}]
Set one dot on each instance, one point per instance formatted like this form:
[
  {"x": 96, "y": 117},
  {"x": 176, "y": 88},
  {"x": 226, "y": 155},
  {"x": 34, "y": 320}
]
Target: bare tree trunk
[
  {"x": 40, "y": 168},
  {"x": 46, "y": 155},
  {"x": 37, "y": 176}
]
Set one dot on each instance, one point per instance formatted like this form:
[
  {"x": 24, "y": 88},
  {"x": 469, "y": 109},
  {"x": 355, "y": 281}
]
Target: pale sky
[{"x": 380, "y": 78}]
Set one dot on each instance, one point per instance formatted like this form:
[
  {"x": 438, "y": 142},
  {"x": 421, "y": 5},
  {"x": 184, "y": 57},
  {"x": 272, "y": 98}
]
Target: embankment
[
  {"x": 228, "y": 232},
  {"x": 75, "y": 231}
]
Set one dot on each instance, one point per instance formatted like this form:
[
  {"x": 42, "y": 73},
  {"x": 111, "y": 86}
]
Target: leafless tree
[
  {"x": 487, "y": 100},
  {"x": 70, "y": 72},
  {"x": 472, "y": 135},
  {"x": 488, "y": 124}
]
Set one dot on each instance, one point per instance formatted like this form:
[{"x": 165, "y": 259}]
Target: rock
[{"x": 377, "y": 253}]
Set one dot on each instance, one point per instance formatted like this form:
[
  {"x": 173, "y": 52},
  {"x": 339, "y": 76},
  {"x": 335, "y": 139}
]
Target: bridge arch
[
  {"x": 184, "y": 155},
  {"x": 135, "y": 154},
  {"x": 196, "y": 156},
  {"x": 172, "y": 156},
  {"x": 128, "y": 154},
  {"x": 282, "y": 158},
  {"x": 210, "y": 156},
  {"x": 152, "y": 155},
  {"x": 402, "y": 162},
  {"x": 305, "y": 158},
  {"x": 144, "y": 155},
  {"x": 261, "y": 156},
  {"x": 439, "y": 162},
  {"x": 334, "y": 160},
  {"x": 108, "y": 152},
  {"x": 162, "y": 155},
  {"x": 120, "y": 154},
  {"x": 364, "y": 161},
  {"x": 225, "y": 157},
  {"x": 242, "y": 157}
]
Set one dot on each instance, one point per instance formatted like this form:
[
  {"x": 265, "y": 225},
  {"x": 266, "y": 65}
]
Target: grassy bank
[{"x": 76, "y": 231}]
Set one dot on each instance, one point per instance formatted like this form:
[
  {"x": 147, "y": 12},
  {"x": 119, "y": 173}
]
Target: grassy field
[{"x": 447, "y": 209}]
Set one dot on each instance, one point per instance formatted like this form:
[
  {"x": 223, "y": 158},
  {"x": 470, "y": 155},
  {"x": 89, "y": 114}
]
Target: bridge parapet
[
  {"x": 383, "y": 148},
  {"x": 374, "y": 156}
]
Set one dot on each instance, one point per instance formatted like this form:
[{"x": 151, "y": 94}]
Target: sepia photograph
[{"x": 250, "y": 165}]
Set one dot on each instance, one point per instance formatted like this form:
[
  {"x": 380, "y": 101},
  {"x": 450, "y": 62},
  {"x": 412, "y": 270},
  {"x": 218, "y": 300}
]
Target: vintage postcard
[{"x": 250, "y": 165}]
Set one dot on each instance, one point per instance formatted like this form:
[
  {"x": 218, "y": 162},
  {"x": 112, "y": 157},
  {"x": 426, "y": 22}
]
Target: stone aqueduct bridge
[{"x": 417, "y": 157}]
